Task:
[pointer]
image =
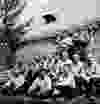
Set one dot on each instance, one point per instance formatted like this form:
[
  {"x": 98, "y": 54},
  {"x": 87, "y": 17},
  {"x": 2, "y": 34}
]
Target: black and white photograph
[{"x": 49, "y": 51}]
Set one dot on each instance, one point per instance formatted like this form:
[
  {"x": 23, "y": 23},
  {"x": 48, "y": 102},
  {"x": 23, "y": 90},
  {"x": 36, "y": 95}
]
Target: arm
[{"x": 33, "y": 86}]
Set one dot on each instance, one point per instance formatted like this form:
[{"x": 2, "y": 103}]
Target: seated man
[
  {"x": 66, "y": 79},
  {"x": 41, "y": 85},
  {"x": 66, "y": 82},
  {"x": 13, "y": 83},
  {"x": 16, "y": 78}
]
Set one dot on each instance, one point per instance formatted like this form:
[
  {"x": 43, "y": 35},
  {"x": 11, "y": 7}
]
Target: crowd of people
[{"x": 58, "y": 72}]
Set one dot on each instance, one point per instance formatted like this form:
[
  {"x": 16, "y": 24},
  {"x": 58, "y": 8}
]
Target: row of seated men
[{"x": 49, "y": 75}]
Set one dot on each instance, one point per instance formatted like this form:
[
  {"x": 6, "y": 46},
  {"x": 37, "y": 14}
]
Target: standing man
[{"x": 77, "y": 64}]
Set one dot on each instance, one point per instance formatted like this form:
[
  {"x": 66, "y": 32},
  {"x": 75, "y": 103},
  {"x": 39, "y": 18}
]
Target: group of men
[{"x": 46, "y": 73}]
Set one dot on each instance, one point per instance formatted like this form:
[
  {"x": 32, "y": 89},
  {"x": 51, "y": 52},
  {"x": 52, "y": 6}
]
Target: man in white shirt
[
  {"x": 66, "y": 82},
  {"x": 77, "y": 64},
  {"x": 67, "y": 78}
]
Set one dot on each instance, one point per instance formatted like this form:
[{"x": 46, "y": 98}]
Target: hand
[{"x": 29, "y": 90}]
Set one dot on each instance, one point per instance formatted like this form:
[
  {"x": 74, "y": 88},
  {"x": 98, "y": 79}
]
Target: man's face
[
  {"x": 76, "y": 57},
  {"x": 65, "y": 55},
  {"x": 43, "y": 73}
]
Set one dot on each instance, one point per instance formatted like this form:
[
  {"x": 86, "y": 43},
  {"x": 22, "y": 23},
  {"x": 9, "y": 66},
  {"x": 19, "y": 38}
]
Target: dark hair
[{"x": 44, "y": 70}]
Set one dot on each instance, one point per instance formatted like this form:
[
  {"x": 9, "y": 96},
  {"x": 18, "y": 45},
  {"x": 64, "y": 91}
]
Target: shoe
[{"x": 92, "y": 98}]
